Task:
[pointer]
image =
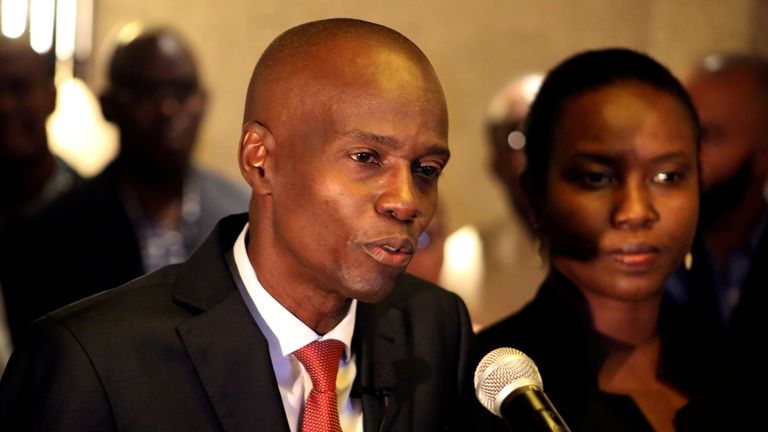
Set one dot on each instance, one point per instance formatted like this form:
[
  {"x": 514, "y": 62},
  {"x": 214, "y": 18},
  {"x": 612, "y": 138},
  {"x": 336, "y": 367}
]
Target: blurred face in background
[
  {"x": 27, "y": 98},
  {"x": 157, "y": 104},
  {"x": 506, "y": 116},
  {"x": 621, "y": 200},
  {"x": 733, "y": 109},
  {"x": 733, "y": 119},
  {"x": 507, "y": 163}
]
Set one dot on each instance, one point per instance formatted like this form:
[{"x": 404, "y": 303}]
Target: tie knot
[{"x": 321, "y": 360}]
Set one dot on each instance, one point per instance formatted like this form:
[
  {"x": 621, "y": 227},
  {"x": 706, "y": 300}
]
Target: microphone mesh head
[{"x": 501, "y": 372}]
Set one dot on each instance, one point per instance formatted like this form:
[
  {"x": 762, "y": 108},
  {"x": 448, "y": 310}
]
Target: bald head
[
  {"x": 154, "y": 98},
  {"x": 345, "y": 135},
  {"x": 139, "y": 56},
  {"x": 726, "y": 63},
  {"x": 504, "y": 119},
  {"x": 339, "y": 52},
  {"x": 510, "y": 104},
  {"x": 730, "y": 93}
]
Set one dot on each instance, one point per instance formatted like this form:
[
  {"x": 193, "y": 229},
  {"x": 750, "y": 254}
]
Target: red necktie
[{"x": 321, "y": 360}]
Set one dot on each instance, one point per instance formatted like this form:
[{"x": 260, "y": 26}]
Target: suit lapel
[
  {"x": 226, "y": 347},
  {"x": 232, "y": 360},
  {"x": 382, "y": 343}
]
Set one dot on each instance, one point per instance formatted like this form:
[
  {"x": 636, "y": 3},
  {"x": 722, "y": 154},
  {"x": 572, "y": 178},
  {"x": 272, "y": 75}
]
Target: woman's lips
[
  {"x": 636, "y": 257},
  {"x": 391, "y": 251}
]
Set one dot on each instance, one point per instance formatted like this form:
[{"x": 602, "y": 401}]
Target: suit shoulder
[{"x": 122, "y": 306}]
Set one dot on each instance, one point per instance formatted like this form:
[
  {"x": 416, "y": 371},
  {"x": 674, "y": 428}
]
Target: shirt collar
[{"x": 283, "y": 330}]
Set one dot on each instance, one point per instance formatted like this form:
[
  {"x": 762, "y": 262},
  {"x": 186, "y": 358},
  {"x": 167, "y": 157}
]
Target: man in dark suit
[
  {"x": 730, "y": 92},
  {"x": 725, "y": 283},
  {"x": 344, "y": 137},
  {"x": 155, "y": 204}
]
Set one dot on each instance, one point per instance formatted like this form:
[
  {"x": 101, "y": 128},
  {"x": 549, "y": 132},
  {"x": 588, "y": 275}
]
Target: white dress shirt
[{"x": 285, "y": 333}]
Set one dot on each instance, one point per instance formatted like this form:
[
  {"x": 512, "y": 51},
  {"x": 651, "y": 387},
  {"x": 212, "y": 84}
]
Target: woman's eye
[
  {"x": 595, "y": 179},
  {"x": 667, "y": 177}
]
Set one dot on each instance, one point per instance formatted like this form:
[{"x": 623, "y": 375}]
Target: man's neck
[
  {"x": 160, "y": 202},
  {"x": 320, "y": 309}
]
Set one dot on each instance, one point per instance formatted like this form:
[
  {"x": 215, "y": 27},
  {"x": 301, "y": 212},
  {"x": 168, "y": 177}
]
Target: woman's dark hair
[{"x": 586, "y": 71}]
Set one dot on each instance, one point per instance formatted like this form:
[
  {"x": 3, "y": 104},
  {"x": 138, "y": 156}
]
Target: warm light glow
[
  {"x": 66, "y": 17},
  {"x": 41, "y": 16},
  {"x": 129, "y": 32},
  {"x": 84, "y": 29},
  {"x": 531, "y": 84},
  {"x": 78, "y": 132},
  {"x": 14, "y": 14},
  {"x": 462, "y": 249},
  {"x": 462, "y": 270}
]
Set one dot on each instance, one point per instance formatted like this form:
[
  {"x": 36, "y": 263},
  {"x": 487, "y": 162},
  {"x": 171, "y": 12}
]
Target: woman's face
[{"x": 622, "y": 195}]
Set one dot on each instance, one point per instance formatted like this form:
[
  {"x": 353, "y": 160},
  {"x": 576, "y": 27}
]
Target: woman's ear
[{"x": 256, "y": 145}]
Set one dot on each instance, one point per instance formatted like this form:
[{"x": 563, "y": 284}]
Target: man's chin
[{"x": 374, "y": 292}]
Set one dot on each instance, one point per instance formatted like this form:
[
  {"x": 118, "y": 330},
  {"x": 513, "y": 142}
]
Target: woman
[{"x": 613, "y": 181}]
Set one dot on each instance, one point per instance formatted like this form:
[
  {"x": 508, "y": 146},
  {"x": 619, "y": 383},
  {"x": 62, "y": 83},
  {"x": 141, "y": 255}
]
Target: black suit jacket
[
  {"x": 177, "y": 350},
  {"x": 737, "y": 376},
  {"x": 85, "y": 242}
]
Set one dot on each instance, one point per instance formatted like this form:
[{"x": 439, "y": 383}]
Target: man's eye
[
  {"x": 364, "y": 157},
  {"x": 429, "y": 171}
]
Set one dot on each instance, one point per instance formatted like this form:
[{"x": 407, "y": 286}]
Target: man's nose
[{"x": 400, "y": 198}]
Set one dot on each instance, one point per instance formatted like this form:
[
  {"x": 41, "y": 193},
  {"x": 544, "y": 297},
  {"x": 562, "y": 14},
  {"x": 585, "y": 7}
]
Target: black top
[{"x": 555, "y": 331}]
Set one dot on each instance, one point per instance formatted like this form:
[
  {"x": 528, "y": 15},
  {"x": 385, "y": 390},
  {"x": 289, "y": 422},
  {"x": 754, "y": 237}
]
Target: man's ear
[{"x": 256, "y": 145}]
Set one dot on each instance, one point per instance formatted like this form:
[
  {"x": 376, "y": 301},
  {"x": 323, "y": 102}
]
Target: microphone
[
  {"x": 508, "y": 384},
  {"x": 384, "y": 379}
]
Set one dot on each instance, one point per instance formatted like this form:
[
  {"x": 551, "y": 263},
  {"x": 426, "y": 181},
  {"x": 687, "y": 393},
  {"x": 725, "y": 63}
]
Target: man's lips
[{"x": 391, "y": 251}]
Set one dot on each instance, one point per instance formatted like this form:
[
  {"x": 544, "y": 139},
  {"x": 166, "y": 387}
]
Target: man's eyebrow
[
  {"x": 367, "y": 136},
  {"x": 392, "y": 142}
]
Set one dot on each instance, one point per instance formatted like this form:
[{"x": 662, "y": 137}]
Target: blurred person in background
[
  {"x": 729, "y": 271},
  {"x": 725, "y": 280},
  {"x": 496, "y": 270},
  {"x": 427, "y": 261},
  {"x": 31, "y": 176},
  {"x": 149, "y": 207}
]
